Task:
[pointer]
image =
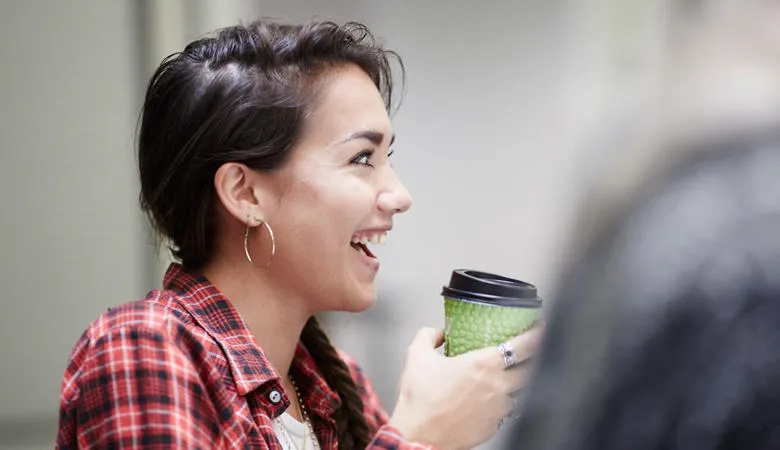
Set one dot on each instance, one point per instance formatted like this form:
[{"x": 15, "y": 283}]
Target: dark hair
[
  {"x": 241, "y": 96},
  {"x": 665, "y": 335}
]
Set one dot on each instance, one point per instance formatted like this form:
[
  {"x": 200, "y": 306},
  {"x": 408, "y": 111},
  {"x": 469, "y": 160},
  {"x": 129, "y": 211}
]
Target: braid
[{"x": 353, "y": 432}]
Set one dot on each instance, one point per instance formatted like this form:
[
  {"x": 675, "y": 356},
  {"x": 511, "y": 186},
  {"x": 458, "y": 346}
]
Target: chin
[{"x": 360, "y": 302}]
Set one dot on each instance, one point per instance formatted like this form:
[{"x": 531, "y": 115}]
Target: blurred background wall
[
  {"x": 71, "y": 236},
  {"x": 502, "y": 98}
]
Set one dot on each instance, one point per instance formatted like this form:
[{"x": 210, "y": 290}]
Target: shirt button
[{"x": 275, "y": 396}]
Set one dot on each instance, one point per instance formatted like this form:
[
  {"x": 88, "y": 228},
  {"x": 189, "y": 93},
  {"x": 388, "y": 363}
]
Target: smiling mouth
[
  {"x": 362, "y": 248},
  {"x": 360, "y": 242}
]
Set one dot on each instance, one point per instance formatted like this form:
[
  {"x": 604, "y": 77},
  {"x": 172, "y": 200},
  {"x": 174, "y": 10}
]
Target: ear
[{"x": 239, "y": 190}]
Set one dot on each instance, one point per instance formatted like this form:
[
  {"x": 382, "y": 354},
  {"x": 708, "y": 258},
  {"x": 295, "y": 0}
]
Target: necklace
[
  {"x": 289, "y": 442},
  {"x": 306, "y": 421},
  {"x": 305, "y": 416}
]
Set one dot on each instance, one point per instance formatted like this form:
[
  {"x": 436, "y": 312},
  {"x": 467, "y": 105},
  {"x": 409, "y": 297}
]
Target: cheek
[
  {"x": 317, "y": 218},
  {"x": 338, "y": 201}
]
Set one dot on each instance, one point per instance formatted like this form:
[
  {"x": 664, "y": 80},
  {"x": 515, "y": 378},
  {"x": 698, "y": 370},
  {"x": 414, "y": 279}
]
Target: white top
[{"x": 294, "y": 435}]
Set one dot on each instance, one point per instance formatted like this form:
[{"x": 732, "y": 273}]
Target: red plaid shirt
[{"x": 180, "y": 369}]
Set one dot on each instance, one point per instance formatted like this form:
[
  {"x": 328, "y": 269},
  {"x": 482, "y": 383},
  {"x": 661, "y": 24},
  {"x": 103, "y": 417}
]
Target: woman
[{"x": 264, "y": 160}]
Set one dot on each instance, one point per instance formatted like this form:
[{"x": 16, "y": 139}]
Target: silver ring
[{"x": 508, "y": 353}]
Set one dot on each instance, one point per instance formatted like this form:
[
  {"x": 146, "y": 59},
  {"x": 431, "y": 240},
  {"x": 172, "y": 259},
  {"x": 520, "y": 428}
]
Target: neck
[{"x": 274, "y": 317}]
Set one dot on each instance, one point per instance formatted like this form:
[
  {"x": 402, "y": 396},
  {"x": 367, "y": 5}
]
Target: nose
[{"x": 393, "y": 196}]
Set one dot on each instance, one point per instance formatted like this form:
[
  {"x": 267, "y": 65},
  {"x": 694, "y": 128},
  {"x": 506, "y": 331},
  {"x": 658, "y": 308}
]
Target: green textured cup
[{"x": 483, "y": 309}]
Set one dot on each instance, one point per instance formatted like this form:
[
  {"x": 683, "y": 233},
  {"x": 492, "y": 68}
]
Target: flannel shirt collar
[{"x": 248, "y": 364}]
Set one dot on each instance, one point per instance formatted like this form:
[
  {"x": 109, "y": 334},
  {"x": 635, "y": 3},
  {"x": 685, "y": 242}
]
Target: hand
[{"x": 458, "y": 402}]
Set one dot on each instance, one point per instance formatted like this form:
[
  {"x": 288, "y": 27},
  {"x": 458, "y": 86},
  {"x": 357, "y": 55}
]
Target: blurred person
[
  {"x": 665, "y": 334},
  {"x": 264, "y": 160},
  {"x": 665, "y": 330}
]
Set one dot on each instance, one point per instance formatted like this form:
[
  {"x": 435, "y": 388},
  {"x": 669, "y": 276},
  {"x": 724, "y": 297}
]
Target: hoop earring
[{"x": 246, "y": 243}]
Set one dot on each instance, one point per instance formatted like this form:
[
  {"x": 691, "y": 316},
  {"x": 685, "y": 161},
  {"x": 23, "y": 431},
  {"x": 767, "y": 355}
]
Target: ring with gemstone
[{"x": 507, "y": 351}]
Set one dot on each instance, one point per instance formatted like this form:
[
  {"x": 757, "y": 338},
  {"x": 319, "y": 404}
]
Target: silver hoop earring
[{"x": 246, "y": 243}]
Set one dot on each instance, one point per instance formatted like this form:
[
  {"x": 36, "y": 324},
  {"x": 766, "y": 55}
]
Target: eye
[
  {"x": 390, "y": 152},
  {"x": 363, "y": 158}
]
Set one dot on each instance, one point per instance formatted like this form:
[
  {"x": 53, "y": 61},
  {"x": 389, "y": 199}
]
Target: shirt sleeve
[
  {"x": 135, "y": 388},
  {"x": 385, "y": 436}
]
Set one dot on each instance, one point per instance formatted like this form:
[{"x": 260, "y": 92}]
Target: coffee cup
[{"x": 483, "y": 309}]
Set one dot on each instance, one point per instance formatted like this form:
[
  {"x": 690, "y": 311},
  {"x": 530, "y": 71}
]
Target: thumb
[{"x": 428, "y": 338}]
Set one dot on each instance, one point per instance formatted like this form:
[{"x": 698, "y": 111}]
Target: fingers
[
  {"x": 506, "y": 406},
  {"x": 525, "y": 346},
  {"x": 515, "y": 379}
]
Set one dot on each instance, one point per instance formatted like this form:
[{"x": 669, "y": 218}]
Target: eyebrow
[{"x": 375, "y": 137}]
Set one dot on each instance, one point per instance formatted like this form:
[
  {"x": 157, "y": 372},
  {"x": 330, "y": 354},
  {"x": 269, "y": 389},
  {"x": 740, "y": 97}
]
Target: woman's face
[{"x": 337, "y": 188}]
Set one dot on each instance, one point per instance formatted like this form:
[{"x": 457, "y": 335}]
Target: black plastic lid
[{"x": 484, "y": 287}]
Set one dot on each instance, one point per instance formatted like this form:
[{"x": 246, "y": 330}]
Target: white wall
[{"x": 71, "y": 235}]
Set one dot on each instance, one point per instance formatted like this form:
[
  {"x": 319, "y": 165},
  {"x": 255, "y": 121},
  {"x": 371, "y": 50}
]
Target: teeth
[{"x": 375, "y": 239}]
